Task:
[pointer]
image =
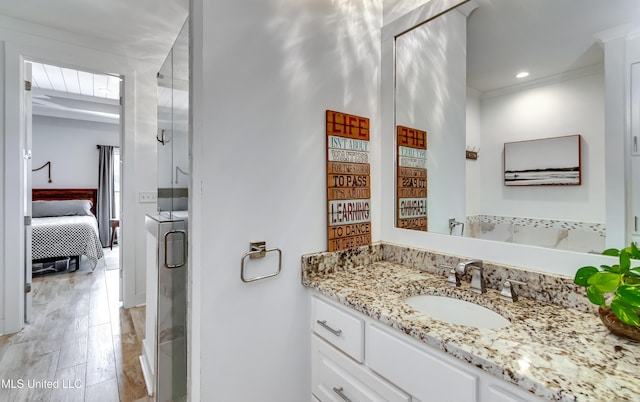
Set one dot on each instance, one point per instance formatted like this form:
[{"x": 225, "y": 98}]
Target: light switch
[{"x": 147, "y": 196}]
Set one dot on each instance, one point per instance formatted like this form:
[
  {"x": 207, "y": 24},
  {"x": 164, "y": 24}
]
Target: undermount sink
[{"x": 457, "y": 311}]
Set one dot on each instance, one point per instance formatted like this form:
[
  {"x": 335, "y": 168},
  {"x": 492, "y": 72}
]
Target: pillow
[{"x": 60, "y": 208}]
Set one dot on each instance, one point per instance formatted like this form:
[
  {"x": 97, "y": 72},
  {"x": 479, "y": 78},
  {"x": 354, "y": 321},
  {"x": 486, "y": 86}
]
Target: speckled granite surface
[{"x": 557, "y": 353}]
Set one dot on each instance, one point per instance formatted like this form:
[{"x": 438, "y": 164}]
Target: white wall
[
  {"x": 568, "y": 107},
  {"x": 473, "y": 166},
  {"x": 33, "y": 42},
  {"x": 269, "y": 71},
  {"x": 394, "y": 9},
  {"x": 70, "y": 145},
  {"x": 7, "y": 296}
]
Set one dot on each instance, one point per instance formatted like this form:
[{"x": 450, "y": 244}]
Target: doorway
[{"x": 76, "y": 130}]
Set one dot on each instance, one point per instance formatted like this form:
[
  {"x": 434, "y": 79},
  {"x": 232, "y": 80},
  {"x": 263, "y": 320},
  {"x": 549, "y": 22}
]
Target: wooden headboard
[{"x": 51, "y": 194}]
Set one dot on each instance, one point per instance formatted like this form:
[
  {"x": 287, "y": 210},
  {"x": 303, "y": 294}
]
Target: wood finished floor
[{"x": 80, "y": 339}]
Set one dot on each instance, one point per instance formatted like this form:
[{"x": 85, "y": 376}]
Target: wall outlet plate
[{"x": 147, "y": 196}]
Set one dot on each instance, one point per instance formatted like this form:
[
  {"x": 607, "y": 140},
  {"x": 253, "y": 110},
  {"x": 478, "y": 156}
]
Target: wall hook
[
  {"x": 472, "y": 153},
  {"x": 162, "y": 139}
]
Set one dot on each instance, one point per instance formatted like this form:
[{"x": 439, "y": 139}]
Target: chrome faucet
[{"x": 477, "y": 279}]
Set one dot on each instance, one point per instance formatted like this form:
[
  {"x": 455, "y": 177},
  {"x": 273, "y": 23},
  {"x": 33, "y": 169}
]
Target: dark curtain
[{"x": 105, "y": 209}]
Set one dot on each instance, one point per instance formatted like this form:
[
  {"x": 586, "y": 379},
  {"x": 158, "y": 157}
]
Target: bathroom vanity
[{"x": 368, "y": 344}]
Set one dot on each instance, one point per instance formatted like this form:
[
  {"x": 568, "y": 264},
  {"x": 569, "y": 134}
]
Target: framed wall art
[{"x": 543, "y": 162}]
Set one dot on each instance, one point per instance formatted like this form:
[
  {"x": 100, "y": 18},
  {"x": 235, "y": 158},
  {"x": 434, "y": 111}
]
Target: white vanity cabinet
[
  {"x": 338, "y": 327},
  {"x": 337, "y": 349},
  {"x": 634, "y": 218},
  {"x": 423, "y": 375},
  {"x": 635, "y": 199},
  {"x": 635, "y": 109},
  {"x": 392, "y": 366},
  {"x": 337, "y": 378}
]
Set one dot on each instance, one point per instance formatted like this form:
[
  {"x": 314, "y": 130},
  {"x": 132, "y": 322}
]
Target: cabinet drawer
[
  {"x": 336, "y": 378},
  {"x": 338, "y": 327},
  {"x": 497, "y": 394},
  {"x": 424, "y": 375}
]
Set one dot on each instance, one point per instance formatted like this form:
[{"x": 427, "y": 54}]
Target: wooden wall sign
[
  {"x": 411, "y": 191},
  {"x": 348, "y": 181}
]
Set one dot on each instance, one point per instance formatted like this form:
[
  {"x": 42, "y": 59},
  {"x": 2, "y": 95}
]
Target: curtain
[{"x": 106, "y": 196}]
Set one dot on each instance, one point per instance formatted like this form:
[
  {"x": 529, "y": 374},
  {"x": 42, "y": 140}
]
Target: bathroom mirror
[{"x": 455, "y": 79}]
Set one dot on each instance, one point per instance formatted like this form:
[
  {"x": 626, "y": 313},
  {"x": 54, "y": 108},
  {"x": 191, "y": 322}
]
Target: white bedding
[{"x": 65, "y": 236}]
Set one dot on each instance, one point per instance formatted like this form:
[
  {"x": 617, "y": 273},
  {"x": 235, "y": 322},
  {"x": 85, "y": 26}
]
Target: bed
[{"x": 64, "y": 225}]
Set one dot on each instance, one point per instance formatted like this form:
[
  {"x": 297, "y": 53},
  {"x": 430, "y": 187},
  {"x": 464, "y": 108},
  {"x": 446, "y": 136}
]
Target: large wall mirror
[{"x": 460, "y": 78}]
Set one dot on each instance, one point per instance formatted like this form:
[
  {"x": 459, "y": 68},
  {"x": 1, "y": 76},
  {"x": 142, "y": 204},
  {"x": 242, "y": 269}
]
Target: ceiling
[
  {"x": 544, "y": 37},
  {"x": 141, "y": 29},
  {"x": 74, "y": 94},
  {"x": 72, "y": 81},
  {"x": 144, "y": 29}
]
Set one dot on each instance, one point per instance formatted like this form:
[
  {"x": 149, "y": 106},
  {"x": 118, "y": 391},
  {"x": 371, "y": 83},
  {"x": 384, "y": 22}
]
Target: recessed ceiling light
[{"x": 522, "y": 74}]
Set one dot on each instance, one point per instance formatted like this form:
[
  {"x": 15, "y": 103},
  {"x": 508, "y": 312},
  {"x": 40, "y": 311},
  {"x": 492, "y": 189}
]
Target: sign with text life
[
  {"x": 348, "y": 181},
  {"x": 411, "y": 183}
]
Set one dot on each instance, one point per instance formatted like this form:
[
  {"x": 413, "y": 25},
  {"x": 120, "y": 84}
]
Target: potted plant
[{"x": 616, "y": 290}]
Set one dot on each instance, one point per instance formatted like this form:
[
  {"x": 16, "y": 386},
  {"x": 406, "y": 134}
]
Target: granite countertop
[{"x": 554, "y": 352}]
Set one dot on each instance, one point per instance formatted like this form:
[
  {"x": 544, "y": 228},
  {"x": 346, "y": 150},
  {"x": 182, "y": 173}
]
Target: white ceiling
[
  {"x": 144, "y": 29},
  {"x": 141, "y": 29},
  {"x": 74, "y": 94},
  {"x": 544, "y": 37},
  {"x": 71, "y": 81}
]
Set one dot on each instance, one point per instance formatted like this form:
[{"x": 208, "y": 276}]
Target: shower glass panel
[
  {"x": 173, "y": 127},
  {"x": 164, "y": 357}
]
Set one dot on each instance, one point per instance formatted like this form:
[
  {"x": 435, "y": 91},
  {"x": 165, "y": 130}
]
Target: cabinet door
[
  {"x": 337, "y": 378},
  {"x": 635, "y": 109},
  {"x": 634, "y": 219},
  {"x": 424, "y": 375}
]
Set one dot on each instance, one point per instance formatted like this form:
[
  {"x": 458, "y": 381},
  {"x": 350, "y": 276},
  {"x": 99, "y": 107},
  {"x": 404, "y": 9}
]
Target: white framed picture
[{"x": 543, "y": 162}]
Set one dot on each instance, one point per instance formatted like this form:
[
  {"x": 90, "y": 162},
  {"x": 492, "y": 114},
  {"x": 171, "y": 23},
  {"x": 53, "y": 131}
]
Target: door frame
[
  {"x": 14, "y": 245},
  {"x": 27, "y": 133}
]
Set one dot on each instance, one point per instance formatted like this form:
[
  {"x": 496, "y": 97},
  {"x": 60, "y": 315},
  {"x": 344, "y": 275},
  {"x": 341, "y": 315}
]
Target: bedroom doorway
[{"x": 76, "y": 131}]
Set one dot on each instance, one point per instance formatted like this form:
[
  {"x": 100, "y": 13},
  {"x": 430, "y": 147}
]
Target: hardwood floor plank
[
  {"x": 144, "y": 399},
  {"x": 79, "y": 303},
  {"x": 33, "y": 381},
  {"x": 15, "y": 361},
  {"x": 131, "y": 383},
  {"x": 106, "y": 391},
  {"x": 99, "y": 304},
  {"x": 4, "y": 342},
  {"x": 138, "y": 316},
  {"x": 53, "y": 328},
  {"x": 99, "y": 312},
  {"x": 100, "y": 356},
  {"x": 79, "y": 335},
  {"x": 74, "y": 347},
  {"x": 70, "y": 384}
]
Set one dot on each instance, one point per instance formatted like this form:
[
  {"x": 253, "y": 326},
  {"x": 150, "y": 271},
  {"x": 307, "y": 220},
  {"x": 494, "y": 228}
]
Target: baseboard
[
  {"x": 139, "y": 299},
  {"x": 147, "y": 371}
]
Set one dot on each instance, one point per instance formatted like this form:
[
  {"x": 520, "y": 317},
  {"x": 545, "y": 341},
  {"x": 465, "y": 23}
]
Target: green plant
[{"x": 621, "y": 279}]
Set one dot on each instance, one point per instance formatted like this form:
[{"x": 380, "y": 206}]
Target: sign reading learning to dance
[
  {"x": 348, "y": 181},
  {"x": 411, "y": 192}
]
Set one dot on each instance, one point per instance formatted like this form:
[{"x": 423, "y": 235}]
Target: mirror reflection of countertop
[{"x": 554, "y": 352}]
